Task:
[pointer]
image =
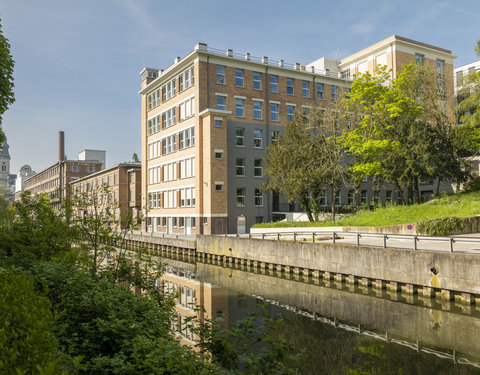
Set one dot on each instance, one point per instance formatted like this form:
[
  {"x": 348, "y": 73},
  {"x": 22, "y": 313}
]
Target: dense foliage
[
  {"x": 7, "y": 96},
  {"x": 57, "y": 317}
]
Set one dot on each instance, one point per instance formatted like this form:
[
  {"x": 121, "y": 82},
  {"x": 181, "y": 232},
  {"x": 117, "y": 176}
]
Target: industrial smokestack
[{"x": 61, "y": 146}]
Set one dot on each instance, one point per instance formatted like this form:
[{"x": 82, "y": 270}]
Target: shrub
[{"x": 441, "y": 226}]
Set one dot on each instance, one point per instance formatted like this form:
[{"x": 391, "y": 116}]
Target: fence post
[
  {"x": 249, "y": 235},
  {"x": 313, "y": 237},
  {"x": 452, "y": 240},
  {"x": 278, "y": 236},
  {"x": 385, "y": 240},
  {"x": 358, "y": 239},
  {"x": 263, "y": 236},
  {"x": 294, "y": 236},
  {"x": 333, "y": 237},
  {"x": 415, "y": 239}
]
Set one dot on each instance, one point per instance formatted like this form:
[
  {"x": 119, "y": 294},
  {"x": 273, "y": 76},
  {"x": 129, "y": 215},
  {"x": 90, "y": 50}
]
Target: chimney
[{"x": 61, "y": 146}]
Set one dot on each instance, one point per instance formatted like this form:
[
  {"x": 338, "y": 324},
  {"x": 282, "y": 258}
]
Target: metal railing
[
  {"x": 394, "y": 241},
  {"x": 277, "y": 63}
]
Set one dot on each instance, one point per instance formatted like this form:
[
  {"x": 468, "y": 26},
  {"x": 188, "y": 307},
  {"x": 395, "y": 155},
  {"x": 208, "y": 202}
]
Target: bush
[{"x": 441, "y": 226}]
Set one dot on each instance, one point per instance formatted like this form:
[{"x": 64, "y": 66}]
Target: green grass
[{"x": 460, "y": 205}]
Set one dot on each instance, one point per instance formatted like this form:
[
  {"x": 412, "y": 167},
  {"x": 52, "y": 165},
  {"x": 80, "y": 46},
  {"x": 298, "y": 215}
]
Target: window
[
  {"x": 338, "y": 198},
  {"x": 257, "y": 81},
  {"x": 419, "y": 58},
  {"x": 274, "y": 111},
  {"x": 305, "y": 89},
  {"x": 363, "y": 197},
  {"x": 240, "y": 137},
  {"x": 290, "y": 112},
  {"x": 153, "y": 99},
  {"x": 218, "y": 187},
  {"x": 257, "y": 138},
  {"x": 218, "y": 154},
  {"x": 221, "y": 102},
  {"x": 306, "y": 115},
  {"x": 351, "y": 198},
  {"x": 334, "y": 93},
  {"x": 320, "y": 91},
  {"x": 73, "y": 168},
  {"x": 187, "y": 109},
  {"x": 257, "y": 110},
  {"x": 116, "y": 178},
  {"x": 221, "y": 74},
  {"x": 90, "y": 169},
  {"x": 239, "y": 78},
  {"x": 258, "y": 168},
  {"x": 240, "y": 197},
  {"x": 275, "y": 135},
  {"x": 290, "y": 86},
  {"x": 240, "y": 167},
  {"x": 389, "y": 196},
  {"x": 323, "y": 197},
  {"x": 258, "y": 198},
  {"x": 258, "y": 219},
  {"x": 239, "y": 107},
  {"x": 218, "y": 123},
  {"x": 348, "y": 90},
  {"x": 274, "y": 83}
]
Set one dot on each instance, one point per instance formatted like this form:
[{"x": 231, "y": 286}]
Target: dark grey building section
[{"x": 274, "y": 207}]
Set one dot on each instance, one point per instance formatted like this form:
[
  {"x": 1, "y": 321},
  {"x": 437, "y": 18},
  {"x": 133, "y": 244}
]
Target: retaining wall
[{"x": 454, "y": 271}]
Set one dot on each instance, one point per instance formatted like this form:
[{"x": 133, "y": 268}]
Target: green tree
[
  {"x": 289, "y": 166},
  {"x": 7, "y": 96},
  {"x": 403, "y": 133},
  {"x": 33, "y": 231},
  {"x": 27, "y": 341}
]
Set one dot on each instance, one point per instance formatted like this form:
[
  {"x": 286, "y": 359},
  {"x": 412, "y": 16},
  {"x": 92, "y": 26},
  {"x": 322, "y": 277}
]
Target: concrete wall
[{"x": 456, "y": 272}]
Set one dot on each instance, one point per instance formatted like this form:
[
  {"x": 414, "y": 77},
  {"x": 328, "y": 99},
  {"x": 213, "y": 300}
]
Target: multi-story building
[
  {"x": 24, "y": 173},
  {"x": 7, "y": 180},
  {"x": 396, "y": 51},
  {"x": 208, "y": 119},
  {"x": 119, "y": 185},
  {"x": 55, "y": 180},
  {"x": 460, "y": 74}
]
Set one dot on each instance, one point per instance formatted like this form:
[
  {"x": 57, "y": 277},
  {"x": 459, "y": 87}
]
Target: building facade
[
  {"x": 118, "y": 186},
  {"x": 208, "y": 119},
  {"x": 7, "y": 180},
  {"x": 24, "y": 173}
]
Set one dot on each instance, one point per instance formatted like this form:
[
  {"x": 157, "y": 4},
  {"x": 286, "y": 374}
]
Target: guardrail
[{"x": 377, "y": 240}]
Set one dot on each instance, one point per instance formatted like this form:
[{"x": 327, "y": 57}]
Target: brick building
[
  {"x": 118, "y": 185},
  {"x": 208, "y": 119}
]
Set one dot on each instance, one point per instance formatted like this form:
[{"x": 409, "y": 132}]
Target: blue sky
[{"x": 78, "y": 62}]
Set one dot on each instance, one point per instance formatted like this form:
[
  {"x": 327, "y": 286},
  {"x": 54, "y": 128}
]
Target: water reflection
[{"x": 343, "y": 328}]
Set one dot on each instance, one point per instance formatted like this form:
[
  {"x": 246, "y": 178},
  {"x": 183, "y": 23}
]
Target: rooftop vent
[
  {"x": 230, "y": 52},
  {"x": 264, "y": 60},
  {"x": 247, "y": 56},
  {"x": 177, "y": 60},
  {"x": 297, "y": 66},
  {"x": 281, "y": 63}
]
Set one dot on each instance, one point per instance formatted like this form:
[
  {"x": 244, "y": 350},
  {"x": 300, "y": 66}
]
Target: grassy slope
[{"x": 461, "y": 205}]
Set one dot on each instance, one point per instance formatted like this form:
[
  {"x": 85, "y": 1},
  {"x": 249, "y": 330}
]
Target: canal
[{"x": 342, "y": 328}]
